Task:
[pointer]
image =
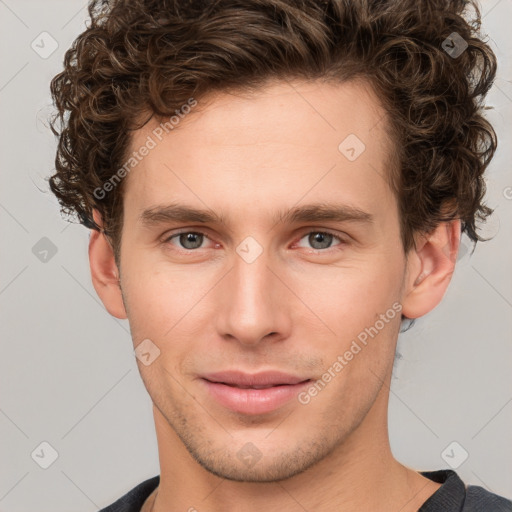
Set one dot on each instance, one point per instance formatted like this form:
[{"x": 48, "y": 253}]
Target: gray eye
[
  {"x": 191, "y": 240},
  {"x": 319, "y": 240}
]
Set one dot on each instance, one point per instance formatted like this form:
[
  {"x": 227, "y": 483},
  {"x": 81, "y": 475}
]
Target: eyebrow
[{"x": 307, "y": 213}]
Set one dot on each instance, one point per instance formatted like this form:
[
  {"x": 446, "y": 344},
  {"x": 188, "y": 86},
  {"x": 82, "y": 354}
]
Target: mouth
[
  {"x": 255, "y": 380},
  {"x": 253, "y": 393},
  {"x": 252, "y": 387}
]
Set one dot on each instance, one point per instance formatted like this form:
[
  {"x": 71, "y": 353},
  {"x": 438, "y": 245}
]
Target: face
[{"x": 299, "y": 265}]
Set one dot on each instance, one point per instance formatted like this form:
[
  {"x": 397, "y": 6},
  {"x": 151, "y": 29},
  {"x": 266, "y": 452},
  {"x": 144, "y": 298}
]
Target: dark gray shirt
[{"x": 452, "y": 496}]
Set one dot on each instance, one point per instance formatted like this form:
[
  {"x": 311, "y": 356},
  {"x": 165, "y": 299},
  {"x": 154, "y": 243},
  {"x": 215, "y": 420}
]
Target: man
[{"x": 273, "y": 187}]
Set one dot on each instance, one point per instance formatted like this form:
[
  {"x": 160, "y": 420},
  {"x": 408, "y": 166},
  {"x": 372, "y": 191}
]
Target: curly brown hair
[{"x": 140, "y": 59}]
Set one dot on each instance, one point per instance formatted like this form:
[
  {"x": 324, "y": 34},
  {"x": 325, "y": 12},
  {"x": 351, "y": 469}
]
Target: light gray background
[{"x": 67, "y": 370}]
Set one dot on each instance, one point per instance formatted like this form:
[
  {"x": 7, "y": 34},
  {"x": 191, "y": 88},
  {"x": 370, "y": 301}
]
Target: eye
[
  {"x": 188, "y": 240},
  {"x": 321, "y": 240}
]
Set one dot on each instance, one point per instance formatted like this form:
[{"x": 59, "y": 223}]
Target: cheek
[
  {"x": 350, "y": 296},
  {"x": 147, "y": 297},
  {"x": 361, "y": 306},
  {"x": 160, "y": 299}
]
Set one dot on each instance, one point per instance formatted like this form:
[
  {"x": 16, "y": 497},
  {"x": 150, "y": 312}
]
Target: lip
[
  {"x": 280, "y": 389},
  {"x": 241, "y": 379}
]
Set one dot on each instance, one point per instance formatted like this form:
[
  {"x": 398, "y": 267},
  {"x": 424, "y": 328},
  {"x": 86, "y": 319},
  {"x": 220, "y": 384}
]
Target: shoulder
[
  {"x": 455, "y": 496},
  {"x": 133, "y": 500},
  {"x": 479, "y": 499}
]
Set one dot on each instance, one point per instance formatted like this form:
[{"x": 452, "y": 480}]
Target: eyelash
[{"x": 343, "y": 242}]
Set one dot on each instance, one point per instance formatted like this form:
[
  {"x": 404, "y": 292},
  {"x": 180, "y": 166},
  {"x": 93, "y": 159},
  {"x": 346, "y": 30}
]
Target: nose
[{"x": 252, "y": 303}]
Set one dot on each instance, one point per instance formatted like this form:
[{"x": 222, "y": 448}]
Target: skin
[{"x": 295, "y": 308}]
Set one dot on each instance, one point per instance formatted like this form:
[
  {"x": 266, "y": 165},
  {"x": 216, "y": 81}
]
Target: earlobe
[
  {"x": 104, "y": 271},
  {"x": 430, "y": 267}
]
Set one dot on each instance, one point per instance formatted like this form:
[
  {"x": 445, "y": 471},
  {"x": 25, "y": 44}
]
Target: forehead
[{"x": 284, "y": 142}]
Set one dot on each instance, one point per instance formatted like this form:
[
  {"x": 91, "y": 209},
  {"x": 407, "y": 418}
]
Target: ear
[
  {"x": 104, "y": 271},
  {"x": 429, "y": 269}
]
